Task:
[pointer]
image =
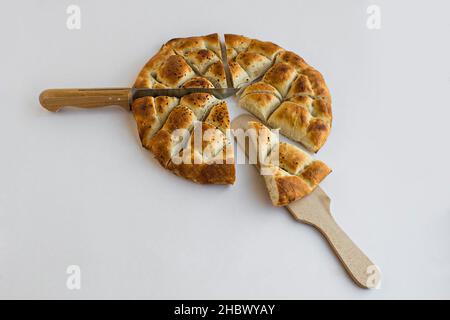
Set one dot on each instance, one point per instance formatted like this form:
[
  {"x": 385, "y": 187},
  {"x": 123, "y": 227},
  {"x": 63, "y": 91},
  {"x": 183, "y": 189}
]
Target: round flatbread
[{"x": 278, "y": 87}]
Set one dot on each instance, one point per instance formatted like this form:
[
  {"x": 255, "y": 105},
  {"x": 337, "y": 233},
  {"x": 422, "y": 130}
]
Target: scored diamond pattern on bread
[
  {"x": 278, "y": 87},
  {"x": 180, "y": 60},
  {"x": 291, "y": 95},
  {"x": 194, "y": 62},
  {"x": 248, "y": 58},
  {"x": 290, "y": 173},
  {"x": 159, "y": 119}
]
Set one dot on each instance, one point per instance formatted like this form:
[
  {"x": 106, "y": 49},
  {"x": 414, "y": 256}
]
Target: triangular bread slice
[{"x": 289, "y": 173}]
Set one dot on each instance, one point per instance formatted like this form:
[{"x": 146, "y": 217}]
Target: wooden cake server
[{"x": 314, "y": 209}]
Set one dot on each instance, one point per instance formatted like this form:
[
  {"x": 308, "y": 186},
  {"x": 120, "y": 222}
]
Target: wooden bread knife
[
  {"x": 314, "y": 209},
  {"x": 55, "y": 99}
]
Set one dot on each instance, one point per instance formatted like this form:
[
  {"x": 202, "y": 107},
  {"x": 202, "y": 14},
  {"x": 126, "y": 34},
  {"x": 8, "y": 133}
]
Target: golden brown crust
[
  {"x": 182, "y": 59},
  {"x": 248, "y": 58},
  {"x": 253, "y": 64},
  {"x": 219, "y": 117},
  {"x": 280, "y": 76},
  {"x": 186, "y": 45},
  {"x": 150, "y": 114},
  {"x": 236, "y": 44},
  {"x": 206, "y": 173},
  {"x": 260, "y": 104},
  {"x": 199, "y": 103},
  {"x": 170, "y": 139},
  {"x": 212, "y": 161},
  {"x": 292, "y": 59},
  {"x": 291, "y": 96},
  {"x": 300, "y": 86},
  {"x": 317, "y": 134},
  {"x": 292, "y": 118},
  {"x": 261, "y": 87},
  {"x": 319, "y": 87},
  {"x": 291, "y": 159},
  {"x": 198, "y": 82},
  {"x": 174, "y": 72},
  {"x": 216, "y": 74},
  {"x": 290, "y": 173},
  {"x": 264, "y": 140},
  {"x": 194, "y": 62},
  {"x": 158, "y": 120},
  {"x": 284, "y": 188},
  {"x": 315, "y": 172},
  {"x": 265, "y": 48},
  {"x": 287, "y": 188},
  {"x": 144, "y": 112},
  {"x": 201, "y": 59},
  {"x": 215, "y": 162}
]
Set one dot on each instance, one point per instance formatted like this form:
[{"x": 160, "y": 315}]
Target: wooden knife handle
[{"x": 55, "y": 99}]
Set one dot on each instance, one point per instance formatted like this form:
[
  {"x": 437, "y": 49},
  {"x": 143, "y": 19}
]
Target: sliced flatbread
[
  {"x": 166, "y": 125},
  {"x": 248, "y": 59},
  {"x": 288, "y": 93},
  {"x": 289, "y": 173},
  {"x": 184, "y": 59},
  {"x": 278, "y": 87}
]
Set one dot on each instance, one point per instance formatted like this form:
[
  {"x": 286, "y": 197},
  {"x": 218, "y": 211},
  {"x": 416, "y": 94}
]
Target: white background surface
[{"x": 76, "y": 188}]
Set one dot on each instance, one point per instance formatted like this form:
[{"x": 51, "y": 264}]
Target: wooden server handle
[
  {"x": 363, "y": 271},
  {"x": 315, "y": 210},
  {"x": 55, "y": 99}
]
